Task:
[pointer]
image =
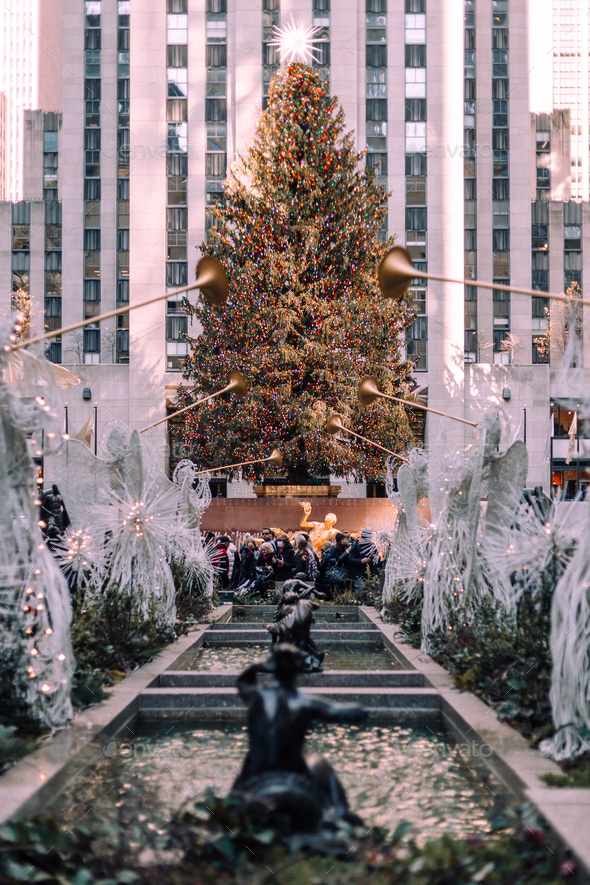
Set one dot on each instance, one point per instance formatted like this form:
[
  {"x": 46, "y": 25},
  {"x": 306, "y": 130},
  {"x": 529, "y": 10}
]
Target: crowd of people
[{"x": 346, "y": 560}]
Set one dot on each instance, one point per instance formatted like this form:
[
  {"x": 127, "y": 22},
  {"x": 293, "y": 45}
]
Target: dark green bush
[{"x": 223, "y": 847}]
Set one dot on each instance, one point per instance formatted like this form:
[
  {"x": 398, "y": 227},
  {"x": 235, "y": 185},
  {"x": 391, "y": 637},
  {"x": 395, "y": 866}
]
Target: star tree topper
[{"x": 294, "y": 42}]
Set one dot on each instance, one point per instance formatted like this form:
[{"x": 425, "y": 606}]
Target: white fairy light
[{"x": 295, "y": 42}]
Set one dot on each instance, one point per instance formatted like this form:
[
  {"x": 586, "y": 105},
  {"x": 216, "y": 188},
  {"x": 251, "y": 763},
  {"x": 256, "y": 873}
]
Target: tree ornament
[{"x": 297, "y": 233}]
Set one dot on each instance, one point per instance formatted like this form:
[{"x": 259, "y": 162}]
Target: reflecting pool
[{"x": 390, "y": 773}]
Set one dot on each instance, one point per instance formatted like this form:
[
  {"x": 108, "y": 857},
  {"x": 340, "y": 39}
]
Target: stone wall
[{"x": 250, "y": 515}]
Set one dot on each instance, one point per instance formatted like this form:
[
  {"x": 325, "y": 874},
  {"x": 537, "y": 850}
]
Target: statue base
[{"x": 293, "y": 491}]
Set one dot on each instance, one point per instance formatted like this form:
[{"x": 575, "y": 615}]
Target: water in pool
[
  {"x": 226, "y": 659},
  {"x": 322, "y": 615},
  {"x": 389, "y": 772}
]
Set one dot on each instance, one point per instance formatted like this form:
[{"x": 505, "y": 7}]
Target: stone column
[{"x": 444, "y": 139}]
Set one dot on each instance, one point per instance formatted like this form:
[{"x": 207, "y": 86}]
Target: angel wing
[
  {"x": 83, "y": 479},
  {"x": 506, "y": 479}
]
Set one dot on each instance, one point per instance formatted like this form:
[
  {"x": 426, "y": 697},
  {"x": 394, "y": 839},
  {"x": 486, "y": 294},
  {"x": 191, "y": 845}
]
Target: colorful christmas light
[{"x": 297, "y": 234}]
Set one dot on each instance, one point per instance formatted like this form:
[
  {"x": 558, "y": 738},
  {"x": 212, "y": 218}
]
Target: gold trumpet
[
  {"x": 397, "y": 271},
  {"x": 211, "y": 279},
  {"x": 334, "y": 425},
  {"x": 275, "y": 456},
  {"x": 236, "y": 383},
  {"x": 368, "y": 392}
]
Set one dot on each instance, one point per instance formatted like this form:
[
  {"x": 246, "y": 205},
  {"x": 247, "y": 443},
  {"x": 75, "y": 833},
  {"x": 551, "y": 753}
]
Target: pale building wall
[
  {"x": 109, "y": 391},
  {"x": 50, "y": 55},
  {"x": 3, "y": 146},
  {"x": 484, "y": 169},
  {"x": 529, "y": 389},
  {"x": 108, "y": 172},
  {"x": 71, "y": 172},
  {"x": 5, "y": 254},
  {"x": 396, "y": 136},
  {"x": 147, "y": 273},
  {"x": 33, "y": 155},
  {"x": 37, "y": 271},
  {"x": 347, "y": 33},
  {"x": 520, "y": 172},
  {"x": 244, "y": 78},
  {"x": 18, "y": 79},
  {"x": 444, "y": 84}
]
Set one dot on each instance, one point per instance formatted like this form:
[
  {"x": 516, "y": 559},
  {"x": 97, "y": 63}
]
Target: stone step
[
  {"x": 352, "y": 645},
  {"x": 190, "y": 703},
  {"x": 318, "y": 634},
  {"x": 344, "y": 613},
  {"x": 238, "y": 715},
  {"x": 235, "y": 626},
  {"x": 328, "y": 679}
]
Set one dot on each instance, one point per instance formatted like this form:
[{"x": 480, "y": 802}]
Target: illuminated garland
[{"x": 305, "y": 321}]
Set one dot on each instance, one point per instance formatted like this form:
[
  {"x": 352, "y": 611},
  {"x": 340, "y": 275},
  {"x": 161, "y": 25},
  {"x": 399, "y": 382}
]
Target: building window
[
  {"x": 50, "y": 142},
  {"x": 540, "y": 356},
  {"x": 53, "y": 352},
  {"x": 176, "y": 274},
  {"x": 415, "y": 29},
  {"x": 416, "y": 339},
  {"x": 178, "y": 30},
  {"x": 91, "y": 265},
  {"x": 177, "y": 245},
  {"x": 91, "y": 340},
  {"x": 572, "y": 237},
  {"x": 21, "y": 236},
  {"x": 540, "y": 237}
]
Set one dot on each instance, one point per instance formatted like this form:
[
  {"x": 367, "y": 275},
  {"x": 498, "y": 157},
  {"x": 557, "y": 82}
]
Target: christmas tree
[{"x": 305, "y": 321}]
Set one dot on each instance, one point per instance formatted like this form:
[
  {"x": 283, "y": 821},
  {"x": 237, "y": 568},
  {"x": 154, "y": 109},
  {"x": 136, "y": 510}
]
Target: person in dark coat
[
  {"x": 302, "y": 557},
  {"x": 285, "y": 559},
  {"x": 266, "y": 556},
  {"x": 220, "y": 560},
  {"x": 337, "y": 555},
  {"x": 248, "y": 559},
  {"x": 363, "y": 554},
  {"x": 321, "y": 581}
]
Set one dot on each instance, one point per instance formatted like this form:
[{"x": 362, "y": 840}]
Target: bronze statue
[
  {"x": 54, "y": 513},
  {"x": 279, "y": 786},
  {"x": 320, "y": 531},
  {"x": 293, "y": 619}
]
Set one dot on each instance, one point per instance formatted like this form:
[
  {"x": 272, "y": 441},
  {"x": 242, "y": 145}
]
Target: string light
[{"x": 305, "y": 320}]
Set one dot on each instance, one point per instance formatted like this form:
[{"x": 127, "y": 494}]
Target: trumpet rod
[
  {"x": 407, "y": 402},
  {"x": 230, "y": 466},
  {"x": 516, "y": 290},
  {"x": 371, "y": 443},
  {"x": 106, "y": 316},
  {"x": 199, "y": 402}
]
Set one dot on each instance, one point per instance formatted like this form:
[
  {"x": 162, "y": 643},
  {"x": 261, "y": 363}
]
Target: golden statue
[{"x": 320, "y": 531}]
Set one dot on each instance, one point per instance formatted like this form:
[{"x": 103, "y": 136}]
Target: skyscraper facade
[
  {"x": 19, "y": 59},
  {"x": 570, "y": 83},
  {"x": 159, "y": 96}
]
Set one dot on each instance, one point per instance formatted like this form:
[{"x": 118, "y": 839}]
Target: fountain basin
[{"x": 413, "y": 773}]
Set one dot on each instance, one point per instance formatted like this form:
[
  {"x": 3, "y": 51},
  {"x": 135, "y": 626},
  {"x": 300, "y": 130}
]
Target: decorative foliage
[
  {"x": 216, "y": 844},
  {"x": 138, "y": 526},
  {"x": 297, "y": 234},
  {"x": 110, "y": 637},
  {"x": 492, "y": 630},
  {"x": 570, "y": 643},
  {"x": 459, "y": 557},
  {"x": 562, "y": 317},
  {"x": 35, "y": 608}
]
